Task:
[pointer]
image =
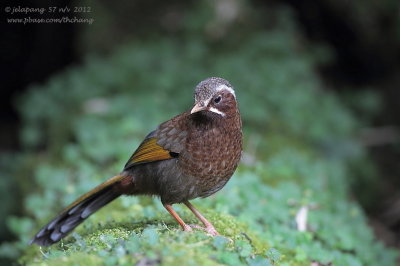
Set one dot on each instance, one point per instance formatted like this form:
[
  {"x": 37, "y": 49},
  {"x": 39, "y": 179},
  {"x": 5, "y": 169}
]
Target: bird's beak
[{"x": 198, "y": 107}]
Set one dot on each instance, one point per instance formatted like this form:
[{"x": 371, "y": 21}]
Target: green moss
[
  {"x": 132, "y": 243},
  {"x": 261, "y": 229}
]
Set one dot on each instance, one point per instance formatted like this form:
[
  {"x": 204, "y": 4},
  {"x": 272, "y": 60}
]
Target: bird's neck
[{"x": 208, "y": 120}]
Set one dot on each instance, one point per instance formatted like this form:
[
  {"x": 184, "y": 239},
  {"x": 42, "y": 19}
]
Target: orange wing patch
[{"x": 149, "y": 151}]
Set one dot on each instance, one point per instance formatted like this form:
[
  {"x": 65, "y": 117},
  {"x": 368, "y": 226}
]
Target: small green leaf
[
  {"x": 150, "y": 236},
  {"x": 220, "y": 242}
]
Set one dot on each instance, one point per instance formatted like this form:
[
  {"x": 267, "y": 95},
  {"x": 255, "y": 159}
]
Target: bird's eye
[{"x": 218, "y": 99}]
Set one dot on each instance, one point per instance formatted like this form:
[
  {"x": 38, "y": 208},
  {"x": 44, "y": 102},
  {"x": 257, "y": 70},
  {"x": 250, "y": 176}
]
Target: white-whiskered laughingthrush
[{"x": 192, "y": 155}]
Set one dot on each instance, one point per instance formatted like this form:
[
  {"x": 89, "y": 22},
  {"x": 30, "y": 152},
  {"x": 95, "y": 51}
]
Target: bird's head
[{"x": 215, "y": 95}]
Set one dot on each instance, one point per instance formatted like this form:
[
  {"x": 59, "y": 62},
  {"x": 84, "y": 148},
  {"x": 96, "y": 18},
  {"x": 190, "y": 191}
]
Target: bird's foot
[
  {"x": 209, "y": 229},
  {"x": 187, "y": 228}
]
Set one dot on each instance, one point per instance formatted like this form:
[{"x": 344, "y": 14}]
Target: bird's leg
[
  {"x": 209, "y": 228},
  {"x": 184, "y": 226}
]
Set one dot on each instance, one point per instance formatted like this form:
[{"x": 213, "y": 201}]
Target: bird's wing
[{"x": 166, "y": 142}]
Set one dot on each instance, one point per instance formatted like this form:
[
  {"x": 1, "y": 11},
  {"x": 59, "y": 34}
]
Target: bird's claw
[
  {"x": 187, "y": 228},
  {"x": 209, "y": 229}
]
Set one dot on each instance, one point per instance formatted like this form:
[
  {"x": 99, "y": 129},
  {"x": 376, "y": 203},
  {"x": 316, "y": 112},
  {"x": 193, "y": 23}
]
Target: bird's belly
[
  {"x": 184, "y": 178},
  {"x": 165, "y": 179},
  {"x": 209, "y": 172},
  {"x": 178, "y": 187}
]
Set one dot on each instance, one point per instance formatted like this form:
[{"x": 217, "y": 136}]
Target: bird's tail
[{"x": 77, "y": 212}]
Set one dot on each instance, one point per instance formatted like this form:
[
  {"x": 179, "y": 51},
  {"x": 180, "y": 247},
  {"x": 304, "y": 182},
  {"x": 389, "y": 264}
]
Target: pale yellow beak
[{"x": 198, "y": 107}]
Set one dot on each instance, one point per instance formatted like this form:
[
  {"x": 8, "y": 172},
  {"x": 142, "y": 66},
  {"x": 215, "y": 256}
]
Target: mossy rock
[{"x": 127, "y": 243}]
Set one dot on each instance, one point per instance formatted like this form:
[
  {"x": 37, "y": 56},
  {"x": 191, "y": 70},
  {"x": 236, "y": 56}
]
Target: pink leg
[
  {"x": 209, "y": 228},
  {"x": 184, "y": 226}
]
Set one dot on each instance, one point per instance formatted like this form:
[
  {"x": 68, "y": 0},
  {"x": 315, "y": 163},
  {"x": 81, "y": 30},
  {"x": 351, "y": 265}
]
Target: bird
[{"x": 192, "y": 155}]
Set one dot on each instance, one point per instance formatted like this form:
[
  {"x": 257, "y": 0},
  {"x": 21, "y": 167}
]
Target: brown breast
[{"x": 212, "y": 150}]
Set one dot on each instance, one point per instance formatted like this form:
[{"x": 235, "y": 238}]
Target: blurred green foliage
[{"x": 81, "y": 126}]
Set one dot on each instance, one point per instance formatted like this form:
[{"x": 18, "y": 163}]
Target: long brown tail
[{"x": 77, "y": 212}]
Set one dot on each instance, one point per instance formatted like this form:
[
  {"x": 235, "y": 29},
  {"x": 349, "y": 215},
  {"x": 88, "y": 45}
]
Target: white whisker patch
[
  {"x": 215, "y": 110},
  {"x": 224, "y": 87}
]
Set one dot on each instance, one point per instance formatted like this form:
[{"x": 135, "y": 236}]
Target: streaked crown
[{"x": 209, "y": 87}]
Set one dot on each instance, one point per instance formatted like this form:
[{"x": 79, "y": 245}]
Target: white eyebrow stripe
[
  {"x": 224, "y": 87},
  {"x": 215, "y": 110}
]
